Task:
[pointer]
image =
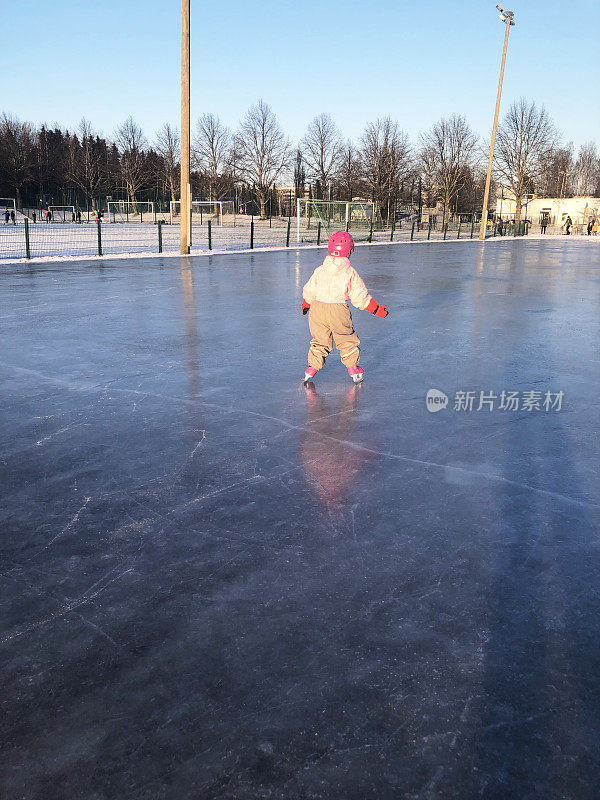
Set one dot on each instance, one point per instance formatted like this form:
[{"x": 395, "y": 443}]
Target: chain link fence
[{"x": 26, "y": 239}]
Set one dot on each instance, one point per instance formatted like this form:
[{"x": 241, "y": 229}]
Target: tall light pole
[
  {"x": 508, "y": 18},
  {"x": 184, "y": 204}
]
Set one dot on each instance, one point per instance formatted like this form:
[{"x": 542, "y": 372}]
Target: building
[{"x": 555, "y": 209}]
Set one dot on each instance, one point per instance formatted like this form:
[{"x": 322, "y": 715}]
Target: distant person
[
  {"x": 568, "y": 226},
  {"x": 13, "y": 218},
  {"x": 500, "y": 226},
  {"x": 326, "y": 296},
  {"x": 6, "y": 216},
  {"x": 544, "y": 224},
  {"x": 79, "y": 216},
  {"x": 72, "y": 216},
  {"x": 590, "y": 226},
  {"x": 48, "y": 216},
  {"x": 34, "y": 217}
]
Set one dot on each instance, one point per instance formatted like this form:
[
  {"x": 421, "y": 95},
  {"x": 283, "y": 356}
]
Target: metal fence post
[
  {"x": 287, "y": 238},
  {"x": 472, "y": 224},
  {"x": 319, "y": 233},
  {"x": 98, "y": 224},
  {"x": 27, "y": 251},
  {"x": 429, "y": 231},
  {"x": 209, "y": 235},
  {"x": 412, "y": 232},
  {"x": 252, "y": 235},
  {"x": 160, "y": 249},
  {"x": 371, "y": 231},
  {"x": 392, "y": 233}
]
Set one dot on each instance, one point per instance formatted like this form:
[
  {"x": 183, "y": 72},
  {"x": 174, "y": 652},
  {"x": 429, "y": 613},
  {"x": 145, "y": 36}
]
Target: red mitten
[
  {"x": 376, "y": 309},
  {"x": 305, "y": 306}
]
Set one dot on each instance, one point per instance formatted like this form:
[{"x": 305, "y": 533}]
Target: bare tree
[
  {"x": 587, "y": 172},
  {"x": 263, "y": 149},
  {"x": 556, "y": 177},
  {"x": 299, "y": 174},
  {"x": 386, "y": 161},
  {"x": 525, "y": 142},
  {"x": 16, "y": 153},
  {"x": 167, "y": 146},
  {"x": 349, "y": 173},
  {"x": 86, "y": 158},
  {"x": 234, "y": 168},
  {"x": 322, "y": 147},
  {"x": 447, "y": 153},
  {"x": 132, "y": 143},
  {"x": 212, "y": 150}
]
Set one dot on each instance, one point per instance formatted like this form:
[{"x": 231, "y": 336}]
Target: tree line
[{"x": 445, "y": 166}]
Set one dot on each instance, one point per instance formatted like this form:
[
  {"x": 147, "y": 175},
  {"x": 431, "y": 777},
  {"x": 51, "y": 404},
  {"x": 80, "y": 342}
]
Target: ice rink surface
[{"x": 217, "y": 584}]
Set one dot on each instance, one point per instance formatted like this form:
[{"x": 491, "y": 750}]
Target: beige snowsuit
[{"x": 328, "y": 290}]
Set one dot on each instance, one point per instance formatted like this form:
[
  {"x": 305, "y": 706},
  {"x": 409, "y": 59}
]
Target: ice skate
[
  {"x": 356, "y": 373},
  {"x": 309, "y": 374},
  {"x": 311, "y": 392}
]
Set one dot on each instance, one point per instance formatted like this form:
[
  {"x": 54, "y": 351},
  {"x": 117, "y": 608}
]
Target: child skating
[{"x": 325, "y": 299}]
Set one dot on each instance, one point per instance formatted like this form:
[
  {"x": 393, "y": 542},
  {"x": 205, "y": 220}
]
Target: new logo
[{"x": 435, "y": 400}]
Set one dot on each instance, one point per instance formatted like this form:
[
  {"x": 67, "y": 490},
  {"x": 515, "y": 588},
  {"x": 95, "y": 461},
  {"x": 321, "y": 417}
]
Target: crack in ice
[{"x": 307, "y": 429}]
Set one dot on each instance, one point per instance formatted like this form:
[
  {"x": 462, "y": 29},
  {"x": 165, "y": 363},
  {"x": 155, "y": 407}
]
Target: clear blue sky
[{"x": 415, "y": 61}]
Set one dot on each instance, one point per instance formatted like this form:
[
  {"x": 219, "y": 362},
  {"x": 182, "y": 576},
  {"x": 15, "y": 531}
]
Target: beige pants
[{"x": 328, "y": 322}]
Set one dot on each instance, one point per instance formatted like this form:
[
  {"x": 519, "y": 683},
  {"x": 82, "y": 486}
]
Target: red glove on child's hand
[
  {"x": 305, "y": 306},
  {"x": 376, "y": 309}
]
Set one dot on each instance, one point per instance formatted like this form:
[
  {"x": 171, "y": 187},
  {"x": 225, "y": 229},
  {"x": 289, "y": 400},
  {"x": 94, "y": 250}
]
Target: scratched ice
[{"x": 218, "y": 584}]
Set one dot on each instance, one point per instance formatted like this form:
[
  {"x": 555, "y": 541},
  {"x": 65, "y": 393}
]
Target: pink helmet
[{"x": 341, "y": 244}]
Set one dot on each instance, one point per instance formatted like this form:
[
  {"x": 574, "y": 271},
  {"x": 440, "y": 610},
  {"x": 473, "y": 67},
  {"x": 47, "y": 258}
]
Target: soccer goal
[
  {"x": 202, "y": 211},
  {"x": 128, "y": 211},
  {"x": 62, "y": 213},
  {"x": 337, "y": 214},
  {"x": 7, "y": 204}
]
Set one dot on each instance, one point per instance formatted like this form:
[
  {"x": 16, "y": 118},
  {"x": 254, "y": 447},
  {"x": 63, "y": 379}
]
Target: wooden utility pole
[
  {"x": 184, "y": 203},
  {"x": 509, "y": 20}
]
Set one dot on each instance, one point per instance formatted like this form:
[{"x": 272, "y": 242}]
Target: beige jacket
[{"x": 336, "y": 281}]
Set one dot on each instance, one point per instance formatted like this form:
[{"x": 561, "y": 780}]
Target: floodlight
[
  {"x": 500, "y": 8},
  {"x": 502, "y": 17}
]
